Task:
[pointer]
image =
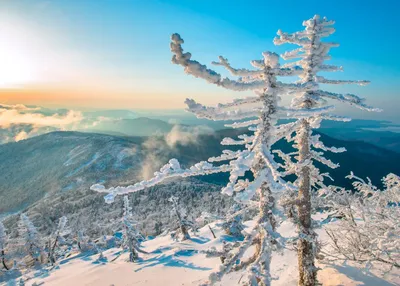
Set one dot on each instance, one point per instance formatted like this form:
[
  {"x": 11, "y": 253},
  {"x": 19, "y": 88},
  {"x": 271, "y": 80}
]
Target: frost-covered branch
[
  {"x": 215, "y": 113},
  {"x": 318, "y": 156},
  {"x": 306, "y": 112},
  {"x": 347, "y": 98},
  {"x": 314, "y": 140},
  {"x": 237, "y": 72},
  {"x": 226, "y": 155},
  {"x": 243, "y": 124},
  {"x": 170, "y": 170},
  {"x": 245, "y": 139},
  {"x": 321, "y": 79},
  {"x": 368, "y": 229},
  {"x": 201, "y": 71}
]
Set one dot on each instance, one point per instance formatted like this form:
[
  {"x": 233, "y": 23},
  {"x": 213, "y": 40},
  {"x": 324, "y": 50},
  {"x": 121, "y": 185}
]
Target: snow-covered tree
[
  {"x": 29, "y": 237},
  {"x": 131, "y": 236},
  {"x": 309, "y": 107},
  {"x": 233, "y": 225},
  {"x": 82, "y": 240},
  {"x": 184, "y": 224},
  {"x": 3, "y": 241},
  {"x": 61, "y": 231},
  {"x": 368, "y": 228}
]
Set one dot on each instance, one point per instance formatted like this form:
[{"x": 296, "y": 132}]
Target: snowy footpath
[{"x": 169, "y": 262}]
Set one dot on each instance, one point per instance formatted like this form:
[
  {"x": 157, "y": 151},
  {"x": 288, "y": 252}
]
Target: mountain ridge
[{"x": 71, "y": 160}]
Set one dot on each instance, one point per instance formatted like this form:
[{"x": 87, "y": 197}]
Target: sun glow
[
  {"x": 16, "y": 67},
  {"x": 17, "y": 56}
]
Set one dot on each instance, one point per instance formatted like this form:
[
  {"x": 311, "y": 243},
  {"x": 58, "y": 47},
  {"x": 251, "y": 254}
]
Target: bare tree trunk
[
  {"x": 212, "y": 231},
  {"x": 52, "y": 248},
  {"x": 307, "y": 269},
  {"x": 3, "y": 261},
  {"x": 267, "y": 203},
  {"x": 133, "y": 255}
]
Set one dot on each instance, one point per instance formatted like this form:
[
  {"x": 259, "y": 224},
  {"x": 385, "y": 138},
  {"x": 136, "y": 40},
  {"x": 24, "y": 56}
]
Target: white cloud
[
  {"x": 19, "y": 122},
  {"x": 158, "y": 148},
  {"x": 18, "y": 115},
  {"x": 186, "y": 135}
]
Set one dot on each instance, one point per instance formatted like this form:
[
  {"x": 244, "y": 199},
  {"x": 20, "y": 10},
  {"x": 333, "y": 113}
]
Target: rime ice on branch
[{"x": 309, "y": 107}]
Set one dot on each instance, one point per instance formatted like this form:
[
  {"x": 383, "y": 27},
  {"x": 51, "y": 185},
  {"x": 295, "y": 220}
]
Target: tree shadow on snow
[
  {"x": 357, "y": 275},
  {"x": 170, "y": 261},
  {"x": 185, "y": 252},
  {"x": 230, "y": 238},
  {"x": 199, "y": 240},
  {"x": 83, "y": 256},
  {"x": 100, "y": 260},
  {"x": 42, "y": 273},
  {"x": 10, "y": 276},
  {"x": 161, "y": 249}
]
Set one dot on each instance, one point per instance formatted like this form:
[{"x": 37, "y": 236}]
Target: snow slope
[{"x": 181, "y": 263}]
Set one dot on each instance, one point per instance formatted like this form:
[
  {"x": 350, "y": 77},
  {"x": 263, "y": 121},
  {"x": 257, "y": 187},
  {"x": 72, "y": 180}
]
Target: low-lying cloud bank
[{"x": 19, "y": 122}]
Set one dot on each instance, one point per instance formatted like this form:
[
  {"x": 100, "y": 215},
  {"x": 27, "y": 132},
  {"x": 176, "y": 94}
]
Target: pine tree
[
  {"x": 82, "y": 240},
  {"x": 184, "y": 224},
  {"x": 29, "y": 237},
  {"x": 309, "y": 108},
  {"x": 158, "y": 227},
  {"x": 131, "y": 236},
  {"x": 60, "y": 232}
]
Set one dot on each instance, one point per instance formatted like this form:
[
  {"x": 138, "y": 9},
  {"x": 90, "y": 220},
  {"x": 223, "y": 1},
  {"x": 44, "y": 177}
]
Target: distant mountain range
[
  {"x": 369, "y": 131},
  {"x": 60, "y": 162},
  {"x": 50, "y": 175},
  {"x": 141, "y": 126}
]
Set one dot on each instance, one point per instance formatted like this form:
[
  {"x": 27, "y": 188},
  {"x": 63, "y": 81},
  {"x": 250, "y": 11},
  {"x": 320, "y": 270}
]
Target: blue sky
[{"x": 121, "y": 48}]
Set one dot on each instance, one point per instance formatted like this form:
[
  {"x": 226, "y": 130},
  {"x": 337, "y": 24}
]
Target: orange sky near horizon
[{"x": 96, "y": 98}]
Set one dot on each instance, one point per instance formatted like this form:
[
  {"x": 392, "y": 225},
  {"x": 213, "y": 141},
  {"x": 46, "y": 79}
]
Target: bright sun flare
[
  {"x": 18, "y": 60},
  {"x": 15, "y": 66}
]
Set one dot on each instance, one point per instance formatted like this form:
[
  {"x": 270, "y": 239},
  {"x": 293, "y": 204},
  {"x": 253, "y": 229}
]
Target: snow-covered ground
[{"x": 181, "y": 263}]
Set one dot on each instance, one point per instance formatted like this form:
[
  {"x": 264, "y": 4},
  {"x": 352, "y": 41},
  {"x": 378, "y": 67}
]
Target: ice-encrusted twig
[{"x": 170, "y": 170}]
